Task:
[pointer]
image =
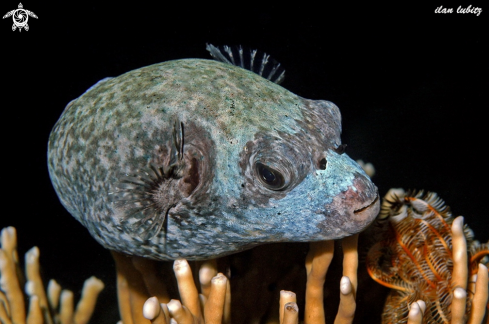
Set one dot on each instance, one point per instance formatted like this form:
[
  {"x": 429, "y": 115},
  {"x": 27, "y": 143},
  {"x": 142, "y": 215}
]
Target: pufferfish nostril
[
  {"x": 322, "y": 164},
  {"x": 340, "y": 149}
]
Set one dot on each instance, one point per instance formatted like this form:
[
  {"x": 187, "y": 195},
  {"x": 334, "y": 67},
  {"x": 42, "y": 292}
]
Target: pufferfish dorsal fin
[{"x": 256, "y": 61}]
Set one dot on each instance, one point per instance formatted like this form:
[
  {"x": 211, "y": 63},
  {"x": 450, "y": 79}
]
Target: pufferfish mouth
[
  {"x": 365, "y": 213},
  {"x": 368, "y": 206}
]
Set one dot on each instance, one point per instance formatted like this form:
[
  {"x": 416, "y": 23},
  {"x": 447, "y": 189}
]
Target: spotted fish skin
[{"x": 172, "y": 160}]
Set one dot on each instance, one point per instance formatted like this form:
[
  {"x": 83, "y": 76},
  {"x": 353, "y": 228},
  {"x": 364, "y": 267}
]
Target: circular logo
[{"x": 20, "y": 17}]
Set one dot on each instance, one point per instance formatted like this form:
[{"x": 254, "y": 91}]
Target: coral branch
[
  {"x": 214, "y": 307},
  {"x": 416, "y": 312},
  {"x": 346, "y": 310},
  {"x": 459, "y": 247},
  {"x": 317, "y": 263},
  {"x": 155, "y": 312},
  {"x": 286, "y": 297},
  {"x": 85, "y": 307},
  {"x": 131, "y": 290},
  {"x": 459, "y": 300},
  {"x": 179, "y": 312},
  {"x": 9, "y": 280},
  {"x": 480, "y": 299},
  {"x": 148, "y": 273},
  {"x": 54, "y": 292},
  {"x": 207, "y": 271},
  {"x": 66, "y": 307},
  {"x": 35, "y": 312},
  {"x": 41, "y": 308},
  {"x": 291, "y": 313},
  {"x": 186, "y": 287}
]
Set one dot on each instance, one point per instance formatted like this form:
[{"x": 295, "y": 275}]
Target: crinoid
[{"x": 420, "y": 257}]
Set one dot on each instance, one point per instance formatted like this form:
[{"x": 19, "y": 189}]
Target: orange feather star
[{"x": 414, "y": 257}]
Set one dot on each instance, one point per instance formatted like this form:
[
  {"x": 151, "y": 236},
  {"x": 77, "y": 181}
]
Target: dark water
[{"x": 411, "y": 85}]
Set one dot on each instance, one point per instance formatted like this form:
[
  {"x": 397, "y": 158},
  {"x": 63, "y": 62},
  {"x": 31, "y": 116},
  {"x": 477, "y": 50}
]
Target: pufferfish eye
[{"x": 271, "y": 178}]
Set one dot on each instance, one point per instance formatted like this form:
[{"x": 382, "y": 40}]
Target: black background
[{"x": 412, "y": 87}]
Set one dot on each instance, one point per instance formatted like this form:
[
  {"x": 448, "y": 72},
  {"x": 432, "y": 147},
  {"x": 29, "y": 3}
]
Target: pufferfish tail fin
[{"x": 256, "y": 61}]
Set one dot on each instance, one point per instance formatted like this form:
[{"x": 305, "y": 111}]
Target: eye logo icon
[{"x": 20, "y": 17}]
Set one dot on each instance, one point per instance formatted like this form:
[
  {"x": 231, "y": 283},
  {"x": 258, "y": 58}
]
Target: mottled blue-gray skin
[{"x": 164, "y": 162}]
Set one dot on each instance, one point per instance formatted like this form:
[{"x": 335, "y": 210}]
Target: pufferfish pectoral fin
[
  {"x": 256, "y": 61},
  {"x": 145, "y": 197},
  {"x": 136, "y": 199}
]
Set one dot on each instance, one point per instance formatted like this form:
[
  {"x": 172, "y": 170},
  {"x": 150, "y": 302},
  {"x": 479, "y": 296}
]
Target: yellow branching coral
[
  {"x": 429, "y": 256},
  {"x": 54, "y": 307},
  {"x": 213, "y": 303}
]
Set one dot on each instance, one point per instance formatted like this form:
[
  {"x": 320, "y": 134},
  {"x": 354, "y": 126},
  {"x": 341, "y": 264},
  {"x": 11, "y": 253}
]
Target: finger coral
[
  {"x": 428, "y": 255},
  {"x": 212, "y": 302},
  {"x": 52, "y": 307}
]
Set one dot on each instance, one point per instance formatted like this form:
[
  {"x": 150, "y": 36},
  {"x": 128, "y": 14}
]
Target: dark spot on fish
[
  {"x": 340, "y": 149},
  {"x": 322, "y": 164},
  {"x": 193, "y": 176}
]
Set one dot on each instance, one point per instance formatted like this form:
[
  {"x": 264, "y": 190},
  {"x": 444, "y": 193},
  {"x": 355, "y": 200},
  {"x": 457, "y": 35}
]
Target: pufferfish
[{"x": 198, "y": 159}]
